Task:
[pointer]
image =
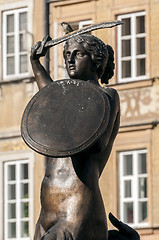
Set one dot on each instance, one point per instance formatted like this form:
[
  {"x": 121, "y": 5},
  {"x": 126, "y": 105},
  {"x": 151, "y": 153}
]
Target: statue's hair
[
  {"x": 101, "y": 54},
  {"x": 109, "y": 69}
]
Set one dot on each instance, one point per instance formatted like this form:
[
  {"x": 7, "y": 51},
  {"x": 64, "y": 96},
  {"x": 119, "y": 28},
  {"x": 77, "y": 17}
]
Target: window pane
[
  {"x": 10, "y": 65},
  {"x": 126, "y": 48},
  {"x": 127, "y": 163},
  {"x": 126, "y": 69},
  {"x": 142, "y": 212},
  {"x": 128, "y": 212},
  {"x": 126, "y": 27},
  {"x": 23, "y": 42},
  {"x": 24, "y": 171},
  {"x": 75, "y": 26},
  {"x": 11, "y": 172},
  {"x": 10, "y": 23},
  {"x": 10, "y": 44},
  {"x": 23, "y": 21},
  {"x": 140, "y": 67},
  {"x": 142, "y": 163},
  {"x": 23, "y": 63},
  {"x": 78, "y": 25},
  {"x": 24, "y": 190},
  {"x": 24, "y": 209},
  {"x": 140, "y": 46},
  {"x": 127, "y": 188},
  {"x": 12, "y": 230},
  {"x": 11, "y": 210},
  {"x": 142, "y": 187},
  {"x": 11, "y": 191},
  {"x": 140, "y": 24},
  {"x": 16, "y": 186},
  {"x": 24, "y": 229}
]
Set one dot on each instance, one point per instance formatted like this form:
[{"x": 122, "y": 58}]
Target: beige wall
[
  {"x": 154, "y": 37},
  {"x": 13, "y": 102},
  {"x": 14, "y": 98}
]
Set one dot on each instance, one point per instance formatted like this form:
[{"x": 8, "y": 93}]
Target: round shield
[{"x": 65, "y": 118}]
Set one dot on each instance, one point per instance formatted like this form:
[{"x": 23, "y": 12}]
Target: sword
[{"x": 42, "y": 50}]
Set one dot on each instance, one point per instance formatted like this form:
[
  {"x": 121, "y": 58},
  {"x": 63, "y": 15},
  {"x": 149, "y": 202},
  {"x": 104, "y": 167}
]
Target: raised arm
[{"x": 41, "y": 76}]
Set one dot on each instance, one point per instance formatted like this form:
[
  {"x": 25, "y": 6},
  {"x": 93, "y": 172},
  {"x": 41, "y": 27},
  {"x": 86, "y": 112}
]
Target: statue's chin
[{"x": 74, "y": 76}]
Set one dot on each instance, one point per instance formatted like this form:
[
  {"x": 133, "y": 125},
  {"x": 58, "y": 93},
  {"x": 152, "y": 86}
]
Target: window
[
  {"x": 133, "y": 187},
  {"x": 15, "y": 55},
  {"x": 131, "y": 47},
  {"x": 17, "y": 200},
  {"x": 78, "y": 25}
]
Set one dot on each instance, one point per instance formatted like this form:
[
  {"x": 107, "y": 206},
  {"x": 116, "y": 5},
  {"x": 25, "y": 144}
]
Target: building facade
[
  {"x": 130, "y": 180},
  {"x": 21, "y": 170}
]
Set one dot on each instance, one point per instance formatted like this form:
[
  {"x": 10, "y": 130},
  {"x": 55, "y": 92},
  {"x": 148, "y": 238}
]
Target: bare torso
[
  {"x": 67, "y": 201},
  {"x": 70, "y": 197}
]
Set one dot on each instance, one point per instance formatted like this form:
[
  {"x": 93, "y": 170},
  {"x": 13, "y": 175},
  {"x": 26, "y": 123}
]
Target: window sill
[
  {"x": 134, "y": 84},
  {"x": 145, "y": 227},
  {"x": 17, "y": 80},
  {"x": 148, "y": 231},
  {"x": 138, "y": 127}
]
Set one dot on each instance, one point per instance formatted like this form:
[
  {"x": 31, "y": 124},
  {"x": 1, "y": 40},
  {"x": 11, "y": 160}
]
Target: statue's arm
[
  {"x": 99, "y": 152},
  {"x": 111, "y": 130},
  {"x": 41, "y": 76},
  {"x": 102, "y": 148}
]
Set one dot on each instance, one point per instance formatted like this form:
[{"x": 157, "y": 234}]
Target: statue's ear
[{"x": 96, "y": 65}]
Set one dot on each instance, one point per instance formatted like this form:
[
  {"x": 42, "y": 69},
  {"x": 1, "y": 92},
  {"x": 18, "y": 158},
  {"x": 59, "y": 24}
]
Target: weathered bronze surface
[
  {"x": 71, "y": 202},
  {"x": 60, "y": 105}
]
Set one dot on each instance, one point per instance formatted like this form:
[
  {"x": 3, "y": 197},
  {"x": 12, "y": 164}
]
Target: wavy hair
[{"x": 101, "y": 54}]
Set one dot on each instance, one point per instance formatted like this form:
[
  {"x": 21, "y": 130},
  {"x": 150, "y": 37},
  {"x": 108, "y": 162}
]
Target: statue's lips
[{"x": 72, "y": 67}]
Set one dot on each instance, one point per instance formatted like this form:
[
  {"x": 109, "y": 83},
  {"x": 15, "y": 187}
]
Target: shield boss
[{"x": 65, "y": 118}]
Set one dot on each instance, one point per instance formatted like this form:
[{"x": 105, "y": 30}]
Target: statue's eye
[
  {"x": 80, "y": 54},
  {"x": 67, "y": 54}
]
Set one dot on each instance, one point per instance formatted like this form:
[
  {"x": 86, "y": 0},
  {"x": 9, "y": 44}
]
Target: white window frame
[
  {"x": 134, "y": 187},
  {"x": 17, "y": 74},
  {"x": 133, "y": 56},
  {"x": 14, "y": 158},
  {"x": 84, "y": 23}
]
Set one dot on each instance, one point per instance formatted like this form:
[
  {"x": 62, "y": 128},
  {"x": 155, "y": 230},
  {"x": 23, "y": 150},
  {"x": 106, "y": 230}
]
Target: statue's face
[{"x": 79, "y": 64}]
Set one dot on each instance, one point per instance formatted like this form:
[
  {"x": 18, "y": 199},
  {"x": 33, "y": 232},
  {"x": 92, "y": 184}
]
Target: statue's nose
[{"x": 71, "y": 58}]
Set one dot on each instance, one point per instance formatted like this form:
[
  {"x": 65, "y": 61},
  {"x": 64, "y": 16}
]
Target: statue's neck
[{"x": 92, "y": 79}]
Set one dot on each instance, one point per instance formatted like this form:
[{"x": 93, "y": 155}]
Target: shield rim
[{"x": 48, "y": 151}]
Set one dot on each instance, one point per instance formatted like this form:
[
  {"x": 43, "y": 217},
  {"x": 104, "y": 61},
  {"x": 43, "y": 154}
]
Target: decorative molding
[
  {"x": 138, "y": 127},
  {"x": 10, "y": 134},
  {"x": 18, "y": 80},
  {"x": 67, "y": 2},
  {"x": 134, "y": 84}
]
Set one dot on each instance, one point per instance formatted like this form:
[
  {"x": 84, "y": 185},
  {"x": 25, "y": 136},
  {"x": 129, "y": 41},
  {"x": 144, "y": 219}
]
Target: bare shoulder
[
  {"x": 112, "y": 95},
  {"x": 111, "y": 92}
]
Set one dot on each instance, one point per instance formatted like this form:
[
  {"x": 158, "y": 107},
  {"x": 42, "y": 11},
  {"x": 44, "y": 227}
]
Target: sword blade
[{"x": 87, "y": 29}]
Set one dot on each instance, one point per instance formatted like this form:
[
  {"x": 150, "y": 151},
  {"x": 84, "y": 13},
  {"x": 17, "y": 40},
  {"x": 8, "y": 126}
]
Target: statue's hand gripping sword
[{"x": 42, "y": 50}]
